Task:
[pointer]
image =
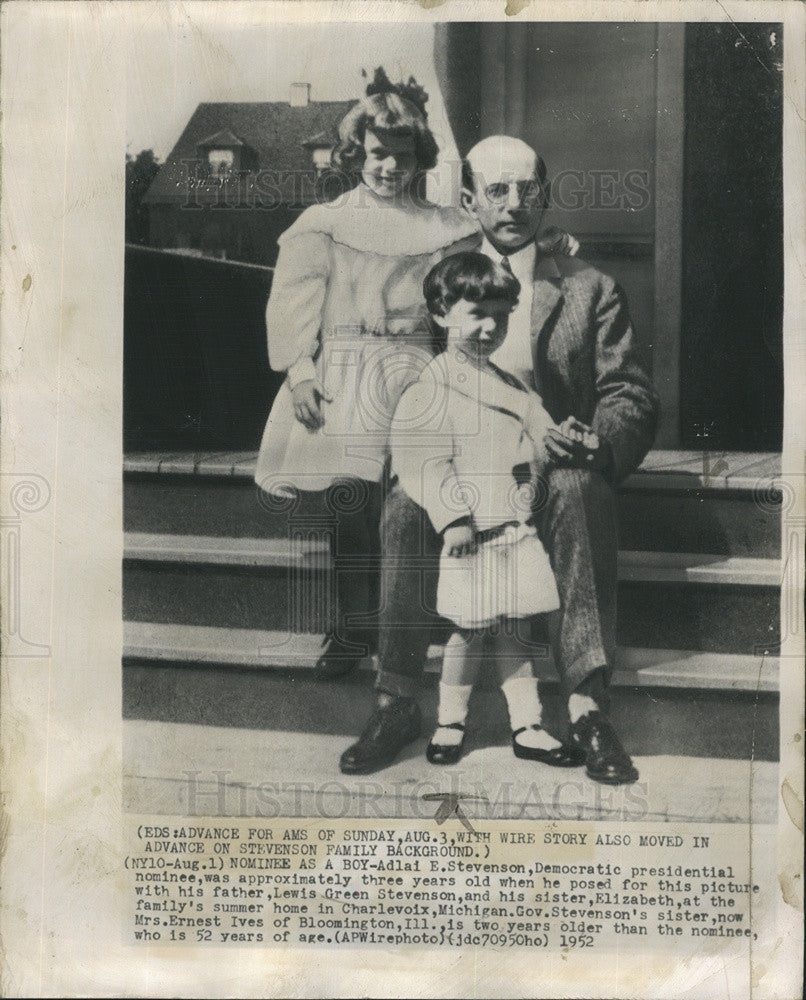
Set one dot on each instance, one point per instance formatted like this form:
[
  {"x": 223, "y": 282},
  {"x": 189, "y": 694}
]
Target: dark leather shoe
[
  {"x": 564, "y": 755},
  {"x": 606, "y": 760},
  {"x": 338, "y": 658},
  {"x": 387, "y": 732},
  {"x": 440, "y": 753}
]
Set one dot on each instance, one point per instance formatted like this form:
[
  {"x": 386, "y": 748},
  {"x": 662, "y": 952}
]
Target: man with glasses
[{"x": 570, "y": 337}]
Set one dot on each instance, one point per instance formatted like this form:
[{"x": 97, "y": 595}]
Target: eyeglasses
[{"x": 528, "y": 192}]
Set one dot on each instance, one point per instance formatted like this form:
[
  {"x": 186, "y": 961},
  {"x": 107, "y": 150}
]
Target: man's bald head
[
  {"x": 499, "y": 155},
  {"x": 504, "y": 189}
]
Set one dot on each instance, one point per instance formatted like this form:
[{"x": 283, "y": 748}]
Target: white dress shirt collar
[{"x": 521, "y": 261}]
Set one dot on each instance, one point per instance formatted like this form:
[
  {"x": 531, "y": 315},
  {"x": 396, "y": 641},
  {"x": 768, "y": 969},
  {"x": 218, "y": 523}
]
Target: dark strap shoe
[
  {"x": 338, "y": 658},
  {"x": 440, "y": 753},
  {"x": 564, "y": 755},
  {"x": 606, "y": 760},
  {"x": 387, "y": 732}
]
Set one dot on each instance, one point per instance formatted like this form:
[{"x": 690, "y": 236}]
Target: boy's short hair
[{"x": 471, "y": 276}]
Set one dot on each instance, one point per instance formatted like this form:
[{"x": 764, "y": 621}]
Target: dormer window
[
  {"x": 224, "y": 155},
  {"x": 221, "y": 162},
  {"x": 321, "y": 158},
  {"x": 320, "y": 147}
]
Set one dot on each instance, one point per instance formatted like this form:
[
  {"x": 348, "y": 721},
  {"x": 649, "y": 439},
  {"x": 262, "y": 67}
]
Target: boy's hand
[
  {"x": 575, "y": 444},
  {"x": 460, "y": 540},
  {"x": 307, "y": 397}
]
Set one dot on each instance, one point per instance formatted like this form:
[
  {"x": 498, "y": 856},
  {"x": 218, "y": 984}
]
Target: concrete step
[
  {"x": 689, "y": 600},
  {"x": 661, "y": 469},
  {"x": 719, "y": 605},
  {"x": 677, "y": 501},
  {"x": 259, "y": 771},
  {"x": 205, "y": 551},
  {"x": 201, "y": 550},
  {"x": 297, "y": 652},
  {"x": 268, "y": 711},
  {"x": 288, "y": 552}
]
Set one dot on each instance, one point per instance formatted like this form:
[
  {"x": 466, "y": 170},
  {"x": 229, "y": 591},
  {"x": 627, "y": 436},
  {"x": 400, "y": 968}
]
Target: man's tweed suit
[{"x": 586, "y": 364}]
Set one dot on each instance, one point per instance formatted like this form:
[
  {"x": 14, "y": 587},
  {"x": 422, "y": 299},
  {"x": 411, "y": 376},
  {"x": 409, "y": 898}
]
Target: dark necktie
[{"x": 507, "y": 266}]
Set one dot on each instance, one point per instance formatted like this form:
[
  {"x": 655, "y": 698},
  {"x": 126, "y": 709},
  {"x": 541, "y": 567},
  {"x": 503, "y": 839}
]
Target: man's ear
[
  {"x": 468, "y": 201},
  {"x": 440, "y": 320}
]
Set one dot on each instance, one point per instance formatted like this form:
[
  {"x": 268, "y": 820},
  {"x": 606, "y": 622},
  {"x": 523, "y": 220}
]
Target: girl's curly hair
[{"x": 383, "y": 112}]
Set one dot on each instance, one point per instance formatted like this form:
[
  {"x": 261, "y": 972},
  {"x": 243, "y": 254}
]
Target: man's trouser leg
[
  {"x": 409, "y": 573},
  {"x": 579, "y": 529},
  {"x": 355, "y": 509}
]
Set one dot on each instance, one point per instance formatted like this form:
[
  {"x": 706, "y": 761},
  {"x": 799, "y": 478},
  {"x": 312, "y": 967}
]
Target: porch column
[
  {"x": 504, "y": 78},
  {"x": 669, "y": 136}
]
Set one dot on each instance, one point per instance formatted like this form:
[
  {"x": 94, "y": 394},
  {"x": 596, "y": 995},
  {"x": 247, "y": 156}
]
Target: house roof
[
  {"x": 319, "y": 141},
  {"x": 274, "y": 131},
  {"x": 226, "y": 137}
]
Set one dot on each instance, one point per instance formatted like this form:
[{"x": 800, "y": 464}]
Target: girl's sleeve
[
  {"x": 422, "y": 456},
  {"x": 294, "y": 310}
]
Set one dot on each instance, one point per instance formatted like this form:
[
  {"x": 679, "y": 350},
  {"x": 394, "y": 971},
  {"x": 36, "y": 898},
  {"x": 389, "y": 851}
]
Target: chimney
[{"x": 299, "y": 95}]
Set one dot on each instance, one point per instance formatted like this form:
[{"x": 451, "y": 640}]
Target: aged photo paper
[{"x": 403, "y": 498}]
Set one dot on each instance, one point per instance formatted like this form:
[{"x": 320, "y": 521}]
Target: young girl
[
  {"x": 467, "y": 446},
  {"x": 347, "y": 323}
]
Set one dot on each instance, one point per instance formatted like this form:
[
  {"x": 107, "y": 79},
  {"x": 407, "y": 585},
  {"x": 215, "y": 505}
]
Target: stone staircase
[{"x": 215, "y": 583}]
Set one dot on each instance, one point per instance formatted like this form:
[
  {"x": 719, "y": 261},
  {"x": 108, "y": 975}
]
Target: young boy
[{"x": 466, "y": 446}]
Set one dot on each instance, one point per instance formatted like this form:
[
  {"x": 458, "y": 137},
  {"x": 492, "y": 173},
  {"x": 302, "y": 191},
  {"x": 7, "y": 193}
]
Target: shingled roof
[{"x": 275, "y": 132}]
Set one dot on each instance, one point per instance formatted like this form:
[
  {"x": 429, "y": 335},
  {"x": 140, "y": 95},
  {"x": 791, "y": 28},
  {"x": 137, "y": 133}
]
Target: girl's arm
[{"x": 294, "y": 310}]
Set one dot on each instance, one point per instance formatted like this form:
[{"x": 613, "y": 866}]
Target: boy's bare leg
[
  {"x": 460, "y": 668},
  {"x": 519, "y": 685}
]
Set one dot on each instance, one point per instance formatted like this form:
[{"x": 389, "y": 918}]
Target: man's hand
[
  {"x": 573, "y": 444},
  {"x": 460, "y": 540},
  {"x": 554, "y": 240},
  {"x": 307, "y": 397}
]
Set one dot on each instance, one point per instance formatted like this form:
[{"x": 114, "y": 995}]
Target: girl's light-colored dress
[
  {"x": 346, "y": 308},
  {"x": 468, "y": 443}
]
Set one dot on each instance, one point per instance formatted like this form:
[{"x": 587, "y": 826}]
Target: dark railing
[{"x": 196, "y": 371}]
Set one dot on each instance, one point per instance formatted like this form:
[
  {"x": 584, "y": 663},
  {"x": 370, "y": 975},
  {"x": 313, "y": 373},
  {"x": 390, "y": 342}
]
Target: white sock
[
  {"x": 522, "y": 701},
  {"x": 579, "y": 705},
  {"x": 525, "y": 710},
  {"x": 453, "y": 702}
]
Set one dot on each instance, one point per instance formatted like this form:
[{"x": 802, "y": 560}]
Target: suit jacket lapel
[
  {"x": 548, "y": 291},
  {"x": 547, "y": 299}
]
